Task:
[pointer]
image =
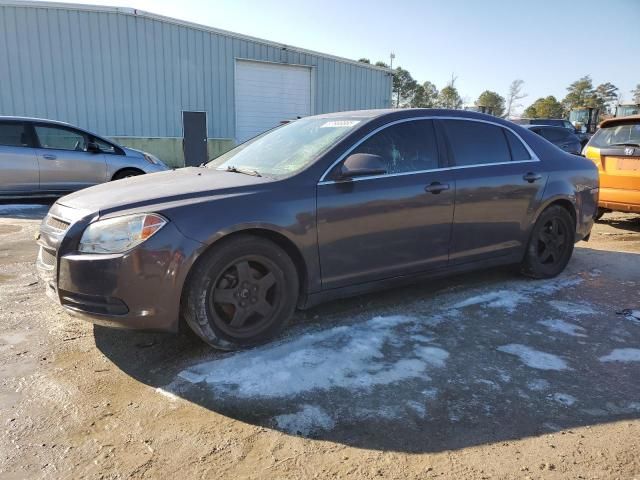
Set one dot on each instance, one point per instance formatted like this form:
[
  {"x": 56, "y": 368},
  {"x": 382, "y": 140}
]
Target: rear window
[
  {"x": 617, "y": 135},
  {"x": 13, "y": 134},
  {"x": 555, "y": 134},
  {"x": 476, "y": 143}
]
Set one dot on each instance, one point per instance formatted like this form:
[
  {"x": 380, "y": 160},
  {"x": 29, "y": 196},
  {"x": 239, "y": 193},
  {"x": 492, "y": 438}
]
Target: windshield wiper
[
  {"x": 245, "y": 171},
  {"x": 624, "y": 144}
]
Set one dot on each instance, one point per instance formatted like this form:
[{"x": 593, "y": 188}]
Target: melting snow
[
  {"x": 572, "y": 309},
  {"x": 622, "y": 355},
  {"x": 534, "y": 358},
  {"x": 538, "y": 385},
  {"x": 311, "y": 418},
  {"x": 563, "y": 327},
  {"x": 564, "y": 398},
  {"x": 506, "y": 299},
  {"x": 348, "y": 357}
]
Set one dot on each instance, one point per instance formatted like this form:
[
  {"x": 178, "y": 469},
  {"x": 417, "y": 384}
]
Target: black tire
[
  {"x": 126, "y": 173},
  {"x": 244, "y": 280},
  {"x": 600, "y": 213},
  {"x": 550, "y": 245}
]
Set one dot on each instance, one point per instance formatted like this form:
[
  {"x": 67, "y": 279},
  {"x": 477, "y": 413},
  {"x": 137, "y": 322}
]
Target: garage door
[{"x": 267, "y": 94}]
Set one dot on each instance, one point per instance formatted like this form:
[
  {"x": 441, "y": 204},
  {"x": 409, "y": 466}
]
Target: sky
[{"x": 485, "y": 44}]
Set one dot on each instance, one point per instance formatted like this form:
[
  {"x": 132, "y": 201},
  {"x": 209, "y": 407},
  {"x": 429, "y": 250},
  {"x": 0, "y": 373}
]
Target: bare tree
[{"x": 515, "y": 94}]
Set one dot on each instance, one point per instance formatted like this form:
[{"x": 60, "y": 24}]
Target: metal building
[{"x": 150, "y": 81}]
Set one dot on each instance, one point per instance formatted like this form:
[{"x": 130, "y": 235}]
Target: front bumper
[{"x": 138, "y": 289}]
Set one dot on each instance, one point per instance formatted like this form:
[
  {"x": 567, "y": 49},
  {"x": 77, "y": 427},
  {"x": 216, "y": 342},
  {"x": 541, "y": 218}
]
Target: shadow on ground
[
  {"x": 28, "y": 209},
  {"x": 442, "y": 365}
]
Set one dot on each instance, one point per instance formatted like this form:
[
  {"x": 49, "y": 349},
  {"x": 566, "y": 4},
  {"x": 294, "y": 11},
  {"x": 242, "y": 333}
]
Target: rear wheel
[
  {"x": 126, "y": 173},
  {"x": 242, "y": 293},
  {"x": 551, "y": 244}
]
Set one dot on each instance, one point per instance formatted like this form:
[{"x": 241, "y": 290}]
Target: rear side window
[
  {"x": 14, "y": 134},
  {"x": 404, "y": 147},
  {"x": 476, "y": 143},
  {"x": 518, "y": 150}
]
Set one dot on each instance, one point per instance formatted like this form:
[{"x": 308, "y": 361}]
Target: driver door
[
  {"x": 388, "y": 225},
  {"x": 65, "y": 164}
]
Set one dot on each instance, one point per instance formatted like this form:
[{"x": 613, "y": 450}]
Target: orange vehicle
[{"x": 615, "y": 149}]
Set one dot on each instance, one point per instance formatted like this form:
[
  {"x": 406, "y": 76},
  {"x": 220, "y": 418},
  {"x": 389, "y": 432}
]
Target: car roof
[
  {"x": 611, "y": 122},
  {"x": 400, "y": 113},
  {"x": 34, "y": 119},
  {"x": 549, "y": 127}
]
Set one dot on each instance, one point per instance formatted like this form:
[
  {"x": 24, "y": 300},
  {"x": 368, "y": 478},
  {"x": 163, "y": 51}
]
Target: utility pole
[{"x": 391, "y": 57}]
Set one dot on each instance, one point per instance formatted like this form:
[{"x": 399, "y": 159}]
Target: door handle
[
  {"x": 49, "y": 156},
  {"x": 436, "y": 187},
  {"x": 531, "y": 177}
]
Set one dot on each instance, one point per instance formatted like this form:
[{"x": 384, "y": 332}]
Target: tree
[
  {"x": 364, "y": 60},
  {"x": 381, "y": 64},
  {"x": 404, "y": 87},
  {"x": 636, "y": 94},
  {"x": 605, "y": 97},
  {"x": 449, "y": 96},
  {"x": 493, "y": 102},
  {"x": 547, "y": 107},
  {"x": 581, "y": 94},
  {"x": 425, "y": 96},
  {"x": 515, "y": 94}
]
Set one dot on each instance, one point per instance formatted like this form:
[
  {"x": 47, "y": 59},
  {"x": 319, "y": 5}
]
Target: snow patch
[
  {"x": 308, "y": 420},
  {"x": 506, "y": 299},
  {"x": 572, "y": 309},
  {"x": 534, "y": 358},
  {"x": 622, "y": 355},
  {"x": 418, "y": 408},
  {"x": 563, "y": 327},
  {"x": 564, "y": 398},
  {"x": 538, "y": 385},
  {"x": 355, "y": 357}
]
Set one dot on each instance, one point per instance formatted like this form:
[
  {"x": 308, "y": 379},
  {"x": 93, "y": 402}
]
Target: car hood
[{"x": 185, "y": 185}]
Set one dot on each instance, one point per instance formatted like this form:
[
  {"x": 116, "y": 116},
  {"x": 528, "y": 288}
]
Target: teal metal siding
[{"x": 122, "y": 74}]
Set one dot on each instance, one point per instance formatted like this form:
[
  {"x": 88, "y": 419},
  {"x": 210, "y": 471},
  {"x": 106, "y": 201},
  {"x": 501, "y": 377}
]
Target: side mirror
[
  {"x": 361, "y": 165},
  {"x": 93, "y": 147}
]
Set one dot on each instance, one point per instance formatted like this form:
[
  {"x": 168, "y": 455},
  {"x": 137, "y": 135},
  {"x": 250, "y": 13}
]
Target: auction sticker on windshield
[{"x": 340, "y": 124}]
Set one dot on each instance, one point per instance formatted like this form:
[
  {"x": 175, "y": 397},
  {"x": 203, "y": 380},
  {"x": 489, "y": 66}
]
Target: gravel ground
[{"x": 486, "y": 375}]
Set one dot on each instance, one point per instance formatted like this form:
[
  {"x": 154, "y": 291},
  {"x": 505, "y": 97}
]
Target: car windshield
[
  {"x": 288, "y": 149},
  {"x": 617, "y": 135}
]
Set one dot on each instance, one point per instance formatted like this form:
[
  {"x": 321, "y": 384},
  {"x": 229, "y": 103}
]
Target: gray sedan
[
  {"x": 318, "y": 209},
  {"x": 47, "y": 158}
]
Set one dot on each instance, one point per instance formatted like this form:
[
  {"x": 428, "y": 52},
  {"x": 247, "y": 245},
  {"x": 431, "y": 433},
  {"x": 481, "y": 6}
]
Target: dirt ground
[{"x": 485, "y": 375}]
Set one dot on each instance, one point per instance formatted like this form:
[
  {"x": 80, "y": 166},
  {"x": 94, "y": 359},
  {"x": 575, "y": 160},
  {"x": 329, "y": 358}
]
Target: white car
[{"x": 45, "y": 158}]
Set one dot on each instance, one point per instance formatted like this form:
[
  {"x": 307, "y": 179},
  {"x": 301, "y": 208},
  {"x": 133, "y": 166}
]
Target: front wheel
[
  {"x": 242, "y": 293},
  {"x": 551, "y": 244}
]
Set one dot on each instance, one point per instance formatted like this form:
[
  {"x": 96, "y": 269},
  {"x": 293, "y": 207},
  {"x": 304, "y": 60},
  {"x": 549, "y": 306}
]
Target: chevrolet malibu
[{"x": 321, "y": 208}]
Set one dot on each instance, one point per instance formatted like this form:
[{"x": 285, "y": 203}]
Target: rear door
[
  {"x": 382, "y": 226},
  {"x": 498, "y": 184},
  {"x": 65, "y": 164},
  {"x": 18, "y": 159}
]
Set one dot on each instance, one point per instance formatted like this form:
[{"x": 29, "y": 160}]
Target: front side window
[
  {"x": 404, "y": 147},
  {"x": 476, "y": 143},
  {"x": 13, "y": 134},
  {"x": 61, "y": 138},
  {"x": 104, "y": 146}
]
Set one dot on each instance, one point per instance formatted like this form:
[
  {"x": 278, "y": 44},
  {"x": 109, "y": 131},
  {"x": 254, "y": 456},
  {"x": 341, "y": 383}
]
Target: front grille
[
  {"x": 47, "y": 257},
  {"x": 56, "y": 223}
]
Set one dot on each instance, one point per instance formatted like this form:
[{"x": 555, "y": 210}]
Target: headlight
[
  {"x": 152, "y": 158},
  {"x": 119, "y": 234}
]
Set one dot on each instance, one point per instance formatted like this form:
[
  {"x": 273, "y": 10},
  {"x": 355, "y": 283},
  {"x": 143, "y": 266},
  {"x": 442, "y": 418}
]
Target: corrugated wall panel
[{"x": 126, "y": 75}]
